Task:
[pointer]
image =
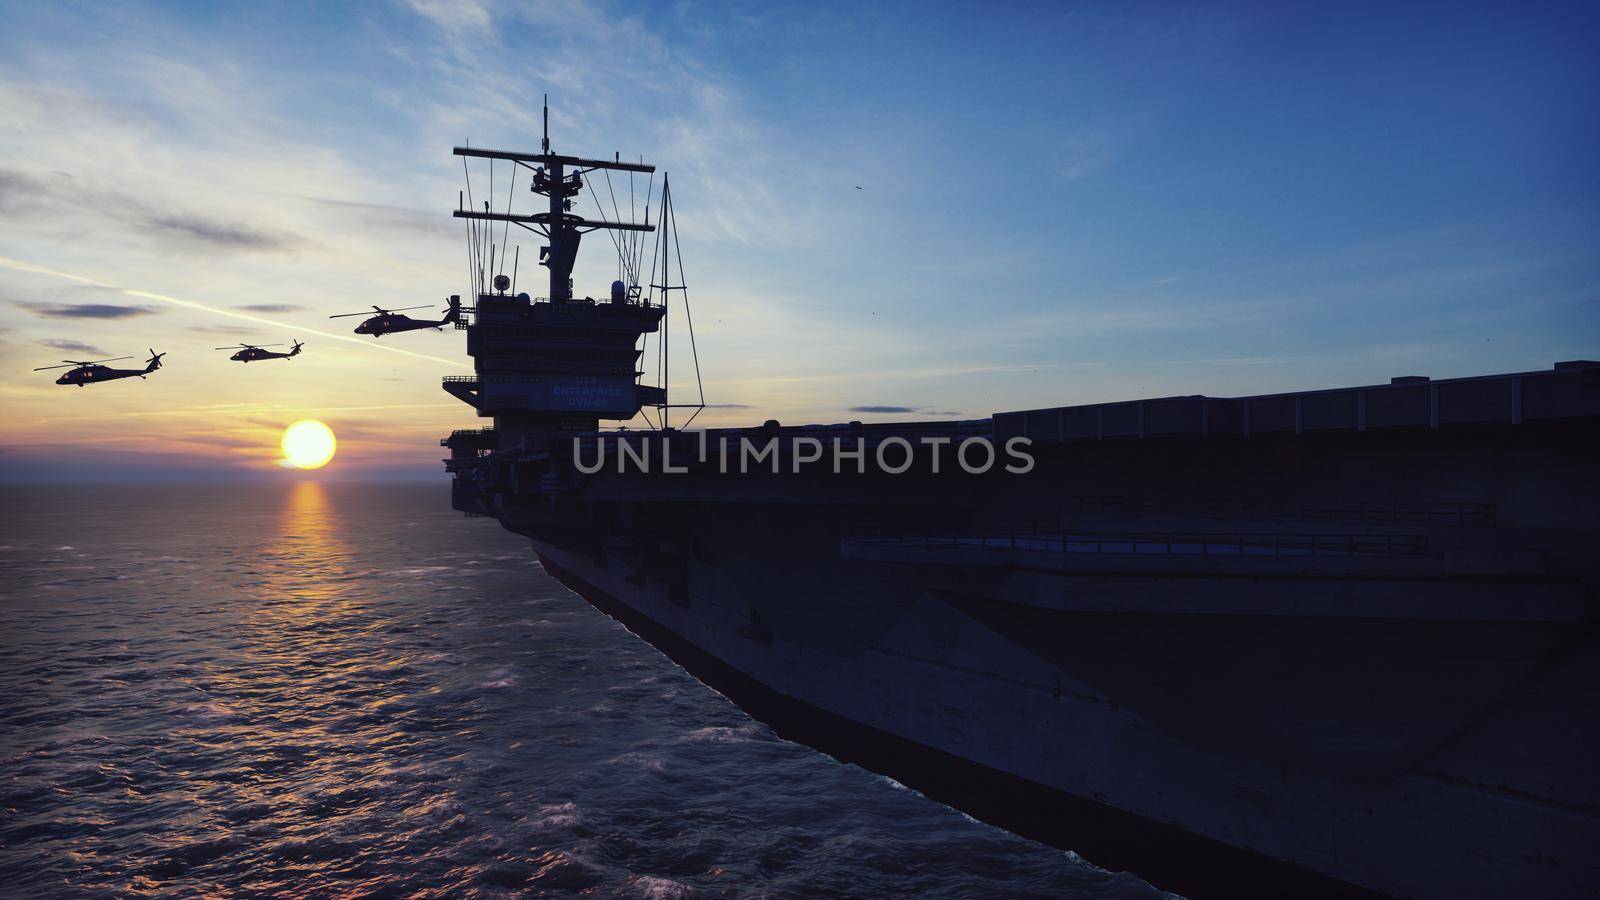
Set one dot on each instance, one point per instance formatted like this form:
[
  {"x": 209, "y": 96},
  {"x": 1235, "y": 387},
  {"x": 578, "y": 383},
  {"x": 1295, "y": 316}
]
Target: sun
[{"x": 308, "y": 444}]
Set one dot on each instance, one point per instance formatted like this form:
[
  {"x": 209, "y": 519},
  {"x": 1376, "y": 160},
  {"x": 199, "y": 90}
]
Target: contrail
[{"x": 21, "y": 266}]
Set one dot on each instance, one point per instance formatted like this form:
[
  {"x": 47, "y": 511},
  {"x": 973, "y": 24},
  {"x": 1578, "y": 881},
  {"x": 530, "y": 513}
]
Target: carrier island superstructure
[{"x": 1325, "y": 642}]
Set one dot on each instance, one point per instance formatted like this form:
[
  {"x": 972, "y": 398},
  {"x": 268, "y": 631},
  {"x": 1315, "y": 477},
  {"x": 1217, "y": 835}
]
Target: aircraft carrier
[{"x": 1328, "y": 642}]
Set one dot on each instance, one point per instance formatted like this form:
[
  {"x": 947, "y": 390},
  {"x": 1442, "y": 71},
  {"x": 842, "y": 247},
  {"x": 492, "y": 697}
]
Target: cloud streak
[
  {"x": 900, "y": 410},
  {"x": 397, "y": 219},
  {"x": 229, "y": 330},
  {"x": 272, "y": 307},
  {"x": 88, "y": 310},
  {"x": 72, "y": 347},
  {"x": 27, "y": 196}
]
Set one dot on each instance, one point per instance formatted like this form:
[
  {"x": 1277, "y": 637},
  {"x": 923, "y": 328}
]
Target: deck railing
[{"x": 481, "y": 434}]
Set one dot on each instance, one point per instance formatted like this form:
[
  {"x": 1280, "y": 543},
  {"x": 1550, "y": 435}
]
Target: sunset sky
[{"x": 888, "y": 212}]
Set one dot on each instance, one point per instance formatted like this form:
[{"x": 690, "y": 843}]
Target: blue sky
[{"x": 1059, "y": 203}]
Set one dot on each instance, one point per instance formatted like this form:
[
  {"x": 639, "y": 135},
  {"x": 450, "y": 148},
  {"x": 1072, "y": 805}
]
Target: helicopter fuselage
[
  {"x": 253, "y": 354},
  {"x": 95, "y": 374},
  {"x": 392, "y": 323}
]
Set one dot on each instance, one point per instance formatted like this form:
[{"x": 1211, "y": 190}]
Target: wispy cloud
[
  {"x": 212, "y": 233},
  {"x": 72, "y": 347},
  {"x": 735, "y": 159},
  {"x": 65, "y": 195},
  {"x": 226, "y": 330},
  {"x": 272, "y": 307},
  {"x": 902, "y": 410},
  {"x": 397, "y": 219},
  {"x": 88, "y": 310}
]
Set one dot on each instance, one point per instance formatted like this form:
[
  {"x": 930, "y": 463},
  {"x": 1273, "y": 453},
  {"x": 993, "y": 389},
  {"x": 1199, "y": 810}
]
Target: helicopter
[
  {"x": 83, "y": 373},
  {"x": 253, "y": 352},
  {"x": 389, "y": 321}
]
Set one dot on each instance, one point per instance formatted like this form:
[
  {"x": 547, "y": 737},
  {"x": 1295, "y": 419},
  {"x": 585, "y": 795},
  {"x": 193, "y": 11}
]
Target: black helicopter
[
  {"x": 254, "y": 352},
  {"x": 389, "y": 321},
  {"x": 83, "y": 373}
]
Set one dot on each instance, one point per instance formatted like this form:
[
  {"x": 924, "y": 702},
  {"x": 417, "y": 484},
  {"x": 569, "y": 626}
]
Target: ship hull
[
  {"x": 965, "y": 735},
  {"x": 1169, "y": 856}
]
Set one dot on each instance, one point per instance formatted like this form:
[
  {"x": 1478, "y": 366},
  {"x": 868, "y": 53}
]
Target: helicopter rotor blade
[
  {"x": 83, "y": 362},
  {"x": 380, "y": 311}
]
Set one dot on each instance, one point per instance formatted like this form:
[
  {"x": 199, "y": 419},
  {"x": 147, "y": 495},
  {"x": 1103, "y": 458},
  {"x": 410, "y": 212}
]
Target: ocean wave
[
  {"x": 284, "y": 705},
  {"x": 555, "y": 815},
  {"x": 654, "y": 887},
  {"x": 723, "y": 734},
  {"x": 558, "y": 870}
]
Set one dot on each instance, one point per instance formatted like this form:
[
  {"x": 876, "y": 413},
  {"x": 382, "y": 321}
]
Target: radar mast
[{"x": 559, "y": 179}]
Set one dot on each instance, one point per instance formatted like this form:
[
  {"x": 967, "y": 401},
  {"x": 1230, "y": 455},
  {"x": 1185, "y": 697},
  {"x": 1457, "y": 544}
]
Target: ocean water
[{"x": 351, "y": 690}]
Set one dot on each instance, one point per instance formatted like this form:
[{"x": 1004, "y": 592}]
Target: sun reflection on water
[
  {"x": 308, "y": 531},
  {"x": 312, "y": 711}
]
